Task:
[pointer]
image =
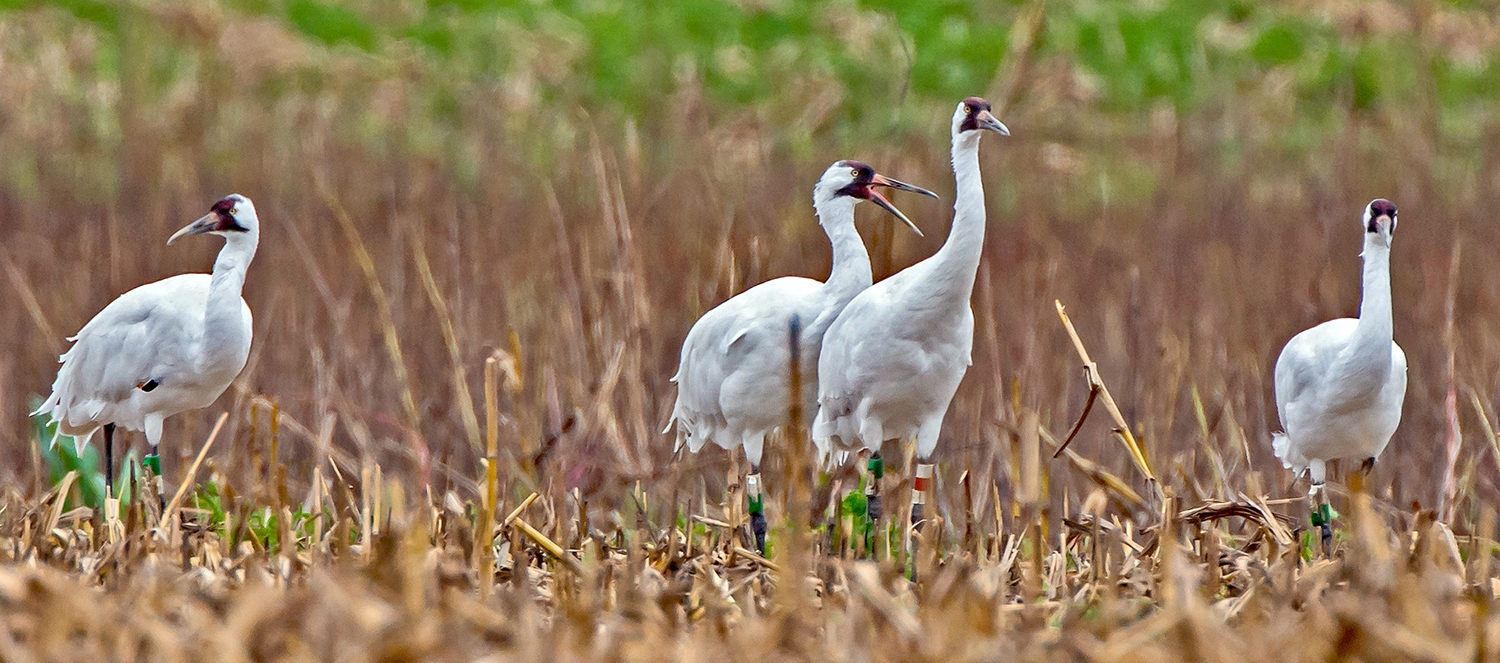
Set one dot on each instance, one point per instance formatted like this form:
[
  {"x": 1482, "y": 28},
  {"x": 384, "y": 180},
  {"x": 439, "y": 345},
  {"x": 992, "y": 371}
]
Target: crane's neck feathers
[
  {"x": 1375, "y": 304},
  {"x": 851, "y": 261},
  {"x": 955, "y": 264},
  {"x": 1365, "y": 363},
  {"x": 224, "y": 328}
]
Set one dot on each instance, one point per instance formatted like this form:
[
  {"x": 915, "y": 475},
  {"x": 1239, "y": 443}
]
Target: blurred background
[{"x": 568, "y": 185}]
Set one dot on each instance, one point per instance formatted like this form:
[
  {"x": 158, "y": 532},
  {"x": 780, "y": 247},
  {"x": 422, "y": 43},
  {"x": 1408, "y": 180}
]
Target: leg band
[
  {"x": 757, "y": 511},
  {"x": 922, "y": 484}
]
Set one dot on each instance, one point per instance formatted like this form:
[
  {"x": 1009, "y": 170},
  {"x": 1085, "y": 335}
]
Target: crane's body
[
  {"x": 164, "y": 347},
  {"x": 733, "y": 378},
  {"x": 892, "y": 361},
  {"x": 158, "y": 329},
  {"x": 1340, "y": 385},
  {"x": 1354, "y": 417}
]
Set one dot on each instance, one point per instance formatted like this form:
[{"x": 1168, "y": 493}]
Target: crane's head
[
  {"x": 232, "y": 215},
  {"x": 974, "y": 114},
  {"x": 1380, "y": 219},
  {"x": 857, "y": 180}
]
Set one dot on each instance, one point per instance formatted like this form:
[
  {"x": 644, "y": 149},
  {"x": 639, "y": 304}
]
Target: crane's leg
[
  {"x": 754, "y": 444},
  {"x": 1322, "y": 517},
  {"x": 828, "y": 471},
  {"x": 757, "y": 508},
  {"x": 919, "y": 489},
  {"x": 872, "y": 501},
  {"x": 109, "y": 460},
  {"x": 153, "y": 459},
  {"x": 1322, "y": 511},
  {"x": 927, "y": 438},
  {"x": 114, "y": 529}
]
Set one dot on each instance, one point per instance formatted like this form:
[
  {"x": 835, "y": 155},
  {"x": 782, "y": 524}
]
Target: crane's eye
[
  {"x": 968, "y": 110},
  {"x": 234, "y": 211},
  {"x": 854, "y": 173}
]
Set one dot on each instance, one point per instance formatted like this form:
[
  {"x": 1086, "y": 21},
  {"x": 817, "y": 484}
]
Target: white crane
[
  {"x": 893, "y": 359},
  {"x": 1340, "y": 385},
  {"x": 733, "y": 378},
  {"x": 162, "y": 348}
]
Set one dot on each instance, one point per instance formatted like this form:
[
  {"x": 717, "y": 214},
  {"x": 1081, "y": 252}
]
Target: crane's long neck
[
  {"x": 956, "y": 263},
  {"x": 223, "y": 322},
  {"x": 851, "y": 261},
  {"x": 1369, "y": 351}
]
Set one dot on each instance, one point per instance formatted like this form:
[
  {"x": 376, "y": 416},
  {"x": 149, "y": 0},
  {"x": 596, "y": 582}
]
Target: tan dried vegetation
[{"x": 414, "y": 245}]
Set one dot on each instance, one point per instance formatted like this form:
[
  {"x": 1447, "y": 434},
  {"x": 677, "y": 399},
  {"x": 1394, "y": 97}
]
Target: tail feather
[{"x": 1281, "y": 445}]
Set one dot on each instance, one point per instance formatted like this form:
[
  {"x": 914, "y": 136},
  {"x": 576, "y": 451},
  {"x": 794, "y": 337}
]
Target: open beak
[
  {"x": 207, "y": 223},
  {"x": 988, "y": 122},
  {"x": 886, "y": 204},
  {"x": 881, "y": 180}
]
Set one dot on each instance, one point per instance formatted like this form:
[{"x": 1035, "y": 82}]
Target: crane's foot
[{"x": 757, "y": 509}]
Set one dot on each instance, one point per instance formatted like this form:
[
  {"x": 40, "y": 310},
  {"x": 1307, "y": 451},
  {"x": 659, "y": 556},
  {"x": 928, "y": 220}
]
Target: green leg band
[
  {"x": 152, "y": 462},
  {"x": 1323, "y": 515}
]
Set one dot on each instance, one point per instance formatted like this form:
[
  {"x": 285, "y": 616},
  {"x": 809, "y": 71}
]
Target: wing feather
[
  {"x": 144, "y": 333},
  {"x": 730, "y": 353}
]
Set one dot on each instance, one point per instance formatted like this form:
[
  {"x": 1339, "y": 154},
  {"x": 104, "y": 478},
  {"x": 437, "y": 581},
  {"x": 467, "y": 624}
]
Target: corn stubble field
[{"x": 516, "y": 264}]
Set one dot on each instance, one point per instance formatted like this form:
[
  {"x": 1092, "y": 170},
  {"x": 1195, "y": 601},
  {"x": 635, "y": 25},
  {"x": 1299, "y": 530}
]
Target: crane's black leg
[
  {"x": 109, "y": 459},
  {"x": 1368, "y": 466},
  {"x": 920, "y": 486},
  {"x": 161, "y": 485},
  {"x": 872, "y": 501},
  {"x": 757, "y": 508},
  {"x": 1322, "y": 518},
  {"x": 1327, "y": 532}
]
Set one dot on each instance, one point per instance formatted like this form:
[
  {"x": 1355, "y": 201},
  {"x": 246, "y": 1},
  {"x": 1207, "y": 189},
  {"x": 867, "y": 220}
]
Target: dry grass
[
  {"x": 574, "y": 247},
  {"x": 1220, "y": 581}
]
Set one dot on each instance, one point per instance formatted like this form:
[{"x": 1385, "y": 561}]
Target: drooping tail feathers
[{"x": 1281, "y": 445}]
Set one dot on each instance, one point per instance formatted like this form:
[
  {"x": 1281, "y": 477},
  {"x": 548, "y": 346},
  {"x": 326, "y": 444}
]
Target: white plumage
[
  {"x": 893, "y": 359},
  {"x": 164, "y": 347},
  {"x": 1340, "y": 385},
  {"x": 733, "y": 378}
]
